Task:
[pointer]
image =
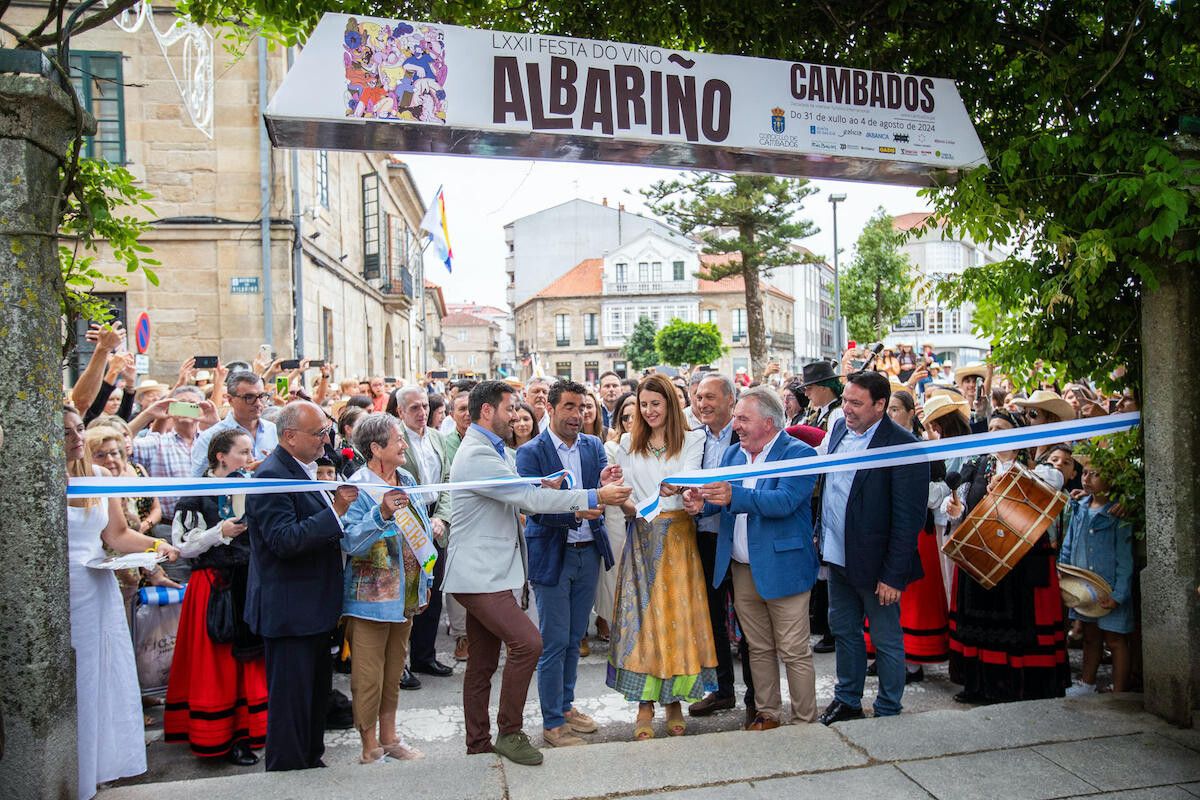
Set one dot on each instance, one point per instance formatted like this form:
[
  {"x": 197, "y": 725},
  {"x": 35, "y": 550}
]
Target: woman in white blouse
[{"x": 662, "y": 647}]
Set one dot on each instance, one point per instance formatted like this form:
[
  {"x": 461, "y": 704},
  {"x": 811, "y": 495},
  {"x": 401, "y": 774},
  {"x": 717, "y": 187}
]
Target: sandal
[
  {"x": 675, "y": 722},
  {"x": 376, "y": 756},
  {"x": 401, "y": 751},
  {"x": 643, "y": 728}
]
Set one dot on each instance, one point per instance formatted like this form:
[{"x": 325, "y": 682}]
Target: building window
[
  {"x": 710, "y": 315},
  {"x": 323, "y": 178},
  {"x": 97, "y": 78},
  {"x": 591, "y": 371},
  {"x": 562, "y": 330},
  {"x": 370, "y": 222},
  {"x": 677, "y": 270},
  {"x": 620, "y": 368},
  {"x": 622, "y": 273},
  {"x": 739, "y": 324},
  {"x": 590, "y": 331},
  {"x": 643, "y": 271},
  {"x": 656, "y": 271},
  {"x": 327, "y": 334},
  {"x": 562, "y": 369}
]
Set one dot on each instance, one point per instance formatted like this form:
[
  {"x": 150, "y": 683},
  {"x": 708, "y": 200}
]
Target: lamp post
[{"x": 838, "y": 337}]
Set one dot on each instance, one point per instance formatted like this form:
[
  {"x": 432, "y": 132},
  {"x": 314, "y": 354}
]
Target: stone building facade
[
  {"x": 340, "y": 276},
  {"x": 578, "y": 324},
  {"x": 472, "y": 346}
]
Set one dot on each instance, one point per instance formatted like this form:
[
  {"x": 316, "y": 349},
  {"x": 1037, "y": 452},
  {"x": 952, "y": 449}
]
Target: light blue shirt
[
  {"x": 266, "y": 439},
  {"x": 714, "y": 449},
  {"x": 836, "y": 494},
  {"x": 572, "y": 463},
  {"x": 496, "y": 441}
]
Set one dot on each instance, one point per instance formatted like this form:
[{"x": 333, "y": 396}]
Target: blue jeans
[
  {"x": 848, "y": 605},
  {"x": 564, "y": 610}
]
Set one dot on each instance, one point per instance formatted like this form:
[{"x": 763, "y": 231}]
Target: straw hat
[
  {"x": 942, "y": 390},
  {"x": 943, "y": 404},
  {"x": 1082, "y": 590},
  {"x": 149, "y": 384},
  {"x": 516, "y": 383},
  {"x": 976, "y": 370},
  {"x": 203, "y": 375},
  {"x": 897, "y": 386},
  {"x": 1047, "y": 400}
]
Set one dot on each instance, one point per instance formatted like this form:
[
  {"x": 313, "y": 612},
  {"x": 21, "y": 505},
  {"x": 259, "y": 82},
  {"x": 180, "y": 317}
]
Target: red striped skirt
[
  {"x": 213, "y": 699},
  {"x": 922, "y": 610}
]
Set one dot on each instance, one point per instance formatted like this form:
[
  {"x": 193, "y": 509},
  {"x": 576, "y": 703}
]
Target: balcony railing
[
  {"x": 562, "y": 342},
  {"x": 401, "y": 283},
  {"x": 738, "y": 337},
  {"x": 650, "y": 287},
  {"x": 590, "y": 342}
]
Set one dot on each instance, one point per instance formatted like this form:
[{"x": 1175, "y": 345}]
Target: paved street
[
  {"x": 432, "y": 719},
  {"x": 1103, "y": 746}
]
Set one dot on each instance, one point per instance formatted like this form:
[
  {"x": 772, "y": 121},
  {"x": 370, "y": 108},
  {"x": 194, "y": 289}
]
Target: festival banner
[{"x": 368, "y": 83}]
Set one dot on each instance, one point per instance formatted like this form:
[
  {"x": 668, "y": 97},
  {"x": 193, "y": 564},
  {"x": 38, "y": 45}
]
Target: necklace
[{"x": 657, "y": 451}]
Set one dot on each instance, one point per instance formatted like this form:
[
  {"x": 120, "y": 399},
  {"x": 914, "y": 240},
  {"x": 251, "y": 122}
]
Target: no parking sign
[{"x": 141, "y": 332}]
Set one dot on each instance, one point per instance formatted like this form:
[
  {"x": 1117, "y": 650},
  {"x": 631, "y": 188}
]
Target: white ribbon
[{"x": 896, "y": 455}]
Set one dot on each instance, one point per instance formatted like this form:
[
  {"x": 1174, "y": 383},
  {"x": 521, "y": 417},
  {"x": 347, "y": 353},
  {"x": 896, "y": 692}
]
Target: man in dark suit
[
  {"x": 294, "y": 590},
  {"x": 565, "y": 555},
  {"x": 869, "y": 521}
]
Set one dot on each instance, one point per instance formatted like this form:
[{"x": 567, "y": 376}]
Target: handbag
[{"x": 219, "y": 616}]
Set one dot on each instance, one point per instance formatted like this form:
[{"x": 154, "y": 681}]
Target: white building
[
  {"x": 506, "y": 356},
  {"x": 949, "y": 330},
  {"x": 811, "y": 284},
  {"x": 545, "y": 244}
]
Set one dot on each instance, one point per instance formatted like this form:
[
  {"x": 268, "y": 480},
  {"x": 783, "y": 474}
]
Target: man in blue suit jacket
[
  {"x": 766, "y": 540},
  {"x": 294, "y": 589},
  {"x": 869, "y": 521},
  {"x": 565, "y": 553}
]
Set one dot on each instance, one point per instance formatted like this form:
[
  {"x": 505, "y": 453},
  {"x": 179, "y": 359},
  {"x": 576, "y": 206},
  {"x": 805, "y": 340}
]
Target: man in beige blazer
[{"x": 486, "y": 561}]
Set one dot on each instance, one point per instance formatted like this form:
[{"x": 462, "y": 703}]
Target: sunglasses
[{"x": 1033, "y": 413}]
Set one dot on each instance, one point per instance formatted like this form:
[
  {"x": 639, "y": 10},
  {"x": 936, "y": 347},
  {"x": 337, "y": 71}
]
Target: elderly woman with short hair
[{"x": 385, "y": 584}]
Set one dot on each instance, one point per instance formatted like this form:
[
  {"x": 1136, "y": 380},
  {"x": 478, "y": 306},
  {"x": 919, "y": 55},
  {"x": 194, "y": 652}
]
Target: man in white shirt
[
  {"x": 537, "y": 395},
  {"x": 246, "y": 401}
]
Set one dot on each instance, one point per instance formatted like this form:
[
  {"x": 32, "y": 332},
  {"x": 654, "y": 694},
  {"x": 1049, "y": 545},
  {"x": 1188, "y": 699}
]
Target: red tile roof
[
  {"x": 585, "y": 280},
  {"x": 464, "y": 321},
  {"x": 910, "y": 220}
]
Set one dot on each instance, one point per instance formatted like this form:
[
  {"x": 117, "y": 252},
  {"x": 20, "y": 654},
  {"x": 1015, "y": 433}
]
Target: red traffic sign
[{"x": 141, "y": 332}]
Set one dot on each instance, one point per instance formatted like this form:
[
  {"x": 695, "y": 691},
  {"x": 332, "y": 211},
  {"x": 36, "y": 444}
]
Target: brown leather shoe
[
  {"x": 584, "y": 649},
  {"x": 561, "y": 737},
  {"x": 711, "y": 702},
  {"x": 460, "y": 649},
  {"x": 763, "y": 723}
]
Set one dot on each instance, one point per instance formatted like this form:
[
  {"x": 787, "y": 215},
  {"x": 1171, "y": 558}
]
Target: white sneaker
[{"x": 1079, "y": 689}]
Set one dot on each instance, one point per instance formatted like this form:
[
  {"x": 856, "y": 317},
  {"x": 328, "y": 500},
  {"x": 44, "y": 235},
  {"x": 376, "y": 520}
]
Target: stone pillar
[
  {"x": 1170, "y": 604},
  {"x": 37, "y": 665}
]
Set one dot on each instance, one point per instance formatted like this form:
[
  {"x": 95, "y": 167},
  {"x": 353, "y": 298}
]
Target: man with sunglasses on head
[
  {"x": 246, "y": 401},
  {"x": 294, "y": 588}
]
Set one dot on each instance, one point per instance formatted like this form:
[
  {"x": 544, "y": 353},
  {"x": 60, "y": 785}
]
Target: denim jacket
[
  {"x": 1098, "y": 541},
  {"x": 374, "y": 577}
]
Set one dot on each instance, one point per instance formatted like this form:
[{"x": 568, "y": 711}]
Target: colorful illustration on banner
[
  {"x": 395, "y": 72},
  {"x": 777, "y": 119}
]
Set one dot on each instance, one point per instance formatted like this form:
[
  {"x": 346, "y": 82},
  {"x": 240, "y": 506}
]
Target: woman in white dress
[
  {"x": 662, "y": 645},
  {"x": 111, "y": 735}
]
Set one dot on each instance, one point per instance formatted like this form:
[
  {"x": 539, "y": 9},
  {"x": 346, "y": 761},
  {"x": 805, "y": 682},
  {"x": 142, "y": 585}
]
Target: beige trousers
[
  {"x": 776, "y": 630},
  {"x": 378, "y": 652}
]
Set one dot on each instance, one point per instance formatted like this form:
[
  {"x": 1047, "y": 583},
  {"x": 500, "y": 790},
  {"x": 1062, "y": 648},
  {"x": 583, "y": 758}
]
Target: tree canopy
[
  {"x": 877, "y": 286},
  {"x": 639, "y": 347},
  {"x": 690, "y": 343}
]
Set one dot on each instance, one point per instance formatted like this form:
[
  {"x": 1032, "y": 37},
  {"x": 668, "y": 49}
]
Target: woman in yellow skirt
[{"x": 662, "y": 647}]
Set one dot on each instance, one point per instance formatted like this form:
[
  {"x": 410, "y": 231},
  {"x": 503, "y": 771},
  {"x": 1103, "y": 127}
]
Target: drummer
[{"x": 1007, "y": 643}]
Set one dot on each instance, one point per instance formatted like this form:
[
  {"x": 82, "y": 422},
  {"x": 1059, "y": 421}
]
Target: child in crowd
[
  {"x": 1103, "y": 543},
  {"x": 326, "y": 471}
]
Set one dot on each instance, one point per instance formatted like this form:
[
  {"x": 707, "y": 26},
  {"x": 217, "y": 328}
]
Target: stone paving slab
[
  {"x": 935, "y": 733},
  {"x": 1187, "y": 738},
  {"x": 689, "y": 761},
  {"x": 1012, "y": 774},
  {"x": 1194, "y": 788},
  {"x": 882, "y": 781},
  {"x": 1155, "y": 793},
  {"x": 1126, "y": 762},
  {"x": 466, "y": 778}
]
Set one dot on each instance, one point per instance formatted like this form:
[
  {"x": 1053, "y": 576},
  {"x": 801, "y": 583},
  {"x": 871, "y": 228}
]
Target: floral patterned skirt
[{"x": 662, "y": 647}]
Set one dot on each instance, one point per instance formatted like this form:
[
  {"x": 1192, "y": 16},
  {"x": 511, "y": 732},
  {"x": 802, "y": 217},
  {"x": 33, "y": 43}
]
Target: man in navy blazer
[
  {"x": 294, "y": 589},
  {"x": 869, "y": 521},
  {"x": 565, "y": 554},
  {"x": 766, "y": 541}
]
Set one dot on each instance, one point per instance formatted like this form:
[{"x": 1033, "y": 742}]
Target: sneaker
[
  {"x": 580, "y": 722},
  {"x": 1079, "y": 689},
  {"x": 517, "y": 749},
  {"x": 560, "y": 737}
]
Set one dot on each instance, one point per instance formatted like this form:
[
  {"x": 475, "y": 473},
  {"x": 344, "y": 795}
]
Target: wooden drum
[{"x": 1003, "y": 527}]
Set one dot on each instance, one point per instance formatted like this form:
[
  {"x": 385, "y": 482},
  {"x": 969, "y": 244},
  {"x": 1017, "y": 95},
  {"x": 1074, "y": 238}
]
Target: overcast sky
[{"x": 483, "y": 195}]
